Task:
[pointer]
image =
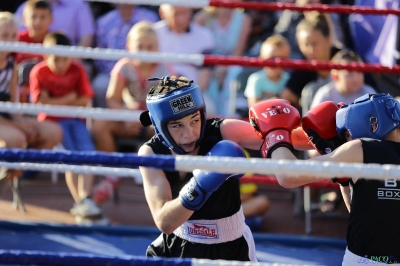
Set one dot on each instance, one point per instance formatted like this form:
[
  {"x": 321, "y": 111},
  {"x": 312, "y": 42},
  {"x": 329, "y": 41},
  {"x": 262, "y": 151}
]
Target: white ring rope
[
  {"x": 188, "y": 3},
  {"x": 101, "y": 53},
  {"x": 71, "y": 111},
  {"x": 237, "y": 165},
  {"x": 76, "y": 169}
]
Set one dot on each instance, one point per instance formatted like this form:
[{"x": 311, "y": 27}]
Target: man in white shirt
[{"x": 178, "y": 34}]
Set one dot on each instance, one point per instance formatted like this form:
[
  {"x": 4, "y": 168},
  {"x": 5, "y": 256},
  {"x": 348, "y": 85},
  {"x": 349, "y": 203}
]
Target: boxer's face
[{"x": 186, "y": 131}]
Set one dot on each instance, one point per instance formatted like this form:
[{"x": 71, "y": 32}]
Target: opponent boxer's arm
[
  {"x": 241, "y": 132},
  {"x": 350, "y": 152},
  {"x": 168, "y": 213}
]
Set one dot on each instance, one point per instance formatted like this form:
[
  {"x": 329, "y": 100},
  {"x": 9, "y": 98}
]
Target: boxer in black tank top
[{"x": 371, "y": 126}]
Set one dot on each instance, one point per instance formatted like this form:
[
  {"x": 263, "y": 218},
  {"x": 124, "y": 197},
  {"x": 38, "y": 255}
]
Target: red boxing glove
[
  {"x": 273, "y": 121},
  {"x": 319, "y": 123}
]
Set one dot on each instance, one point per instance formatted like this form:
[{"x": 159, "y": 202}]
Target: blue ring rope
[
  {"x": 59, "y": 258},
  {"x": 131, "y": 160}
]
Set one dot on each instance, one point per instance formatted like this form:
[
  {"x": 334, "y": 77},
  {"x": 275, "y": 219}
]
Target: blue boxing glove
[{"x": 203, "y": 183}]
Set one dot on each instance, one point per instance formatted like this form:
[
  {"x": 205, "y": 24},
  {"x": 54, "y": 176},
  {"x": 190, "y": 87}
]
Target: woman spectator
[{"x": 127, "y": 89}]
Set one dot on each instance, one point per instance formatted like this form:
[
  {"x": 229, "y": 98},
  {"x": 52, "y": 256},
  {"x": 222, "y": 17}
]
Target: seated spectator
[
  {"x": 72, "y": 17},
  {"x": 127, "y": 90},
  {"x": 315, "y": 41},
  {"x": 37, "y": 16},
  {"x": 346, "y": 85},
  {"x": 230, "y": 29},
  {"x": 112, "y": 31},
  {"x": 19, "y": 131},
  {"x": 178, "y": 34},
  {"x": 268, "y": 82},
  {"x": 289, "y": 20},
  {"x": 60, "y": 80}
]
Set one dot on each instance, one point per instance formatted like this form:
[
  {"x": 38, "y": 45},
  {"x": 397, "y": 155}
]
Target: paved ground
[{"x": 48, "y": 202}]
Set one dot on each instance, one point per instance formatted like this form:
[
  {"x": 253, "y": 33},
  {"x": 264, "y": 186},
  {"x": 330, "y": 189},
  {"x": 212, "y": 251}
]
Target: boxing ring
[{"x": 23, "y": 243}]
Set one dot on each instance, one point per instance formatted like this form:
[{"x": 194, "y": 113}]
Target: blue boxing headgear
[
  {"x": 171, "y": 100},
  {"x": 369, "y": 116}
]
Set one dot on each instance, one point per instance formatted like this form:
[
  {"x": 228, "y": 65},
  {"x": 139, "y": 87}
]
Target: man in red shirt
[{"x": 62, "y": 81}]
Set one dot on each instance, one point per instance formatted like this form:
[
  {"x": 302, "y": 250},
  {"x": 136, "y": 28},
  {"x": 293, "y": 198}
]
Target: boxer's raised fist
[{"x": 319, "y": 123}]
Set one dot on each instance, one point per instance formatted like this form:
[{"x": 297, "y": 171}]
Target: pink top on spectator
[
  {"x": 71, "y": 17},
  {"x": 137, "y": 85}
]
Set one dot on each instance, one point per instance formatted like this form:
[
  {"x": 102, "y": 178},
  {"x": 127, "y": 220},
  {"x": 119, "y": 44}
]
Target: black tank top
[
  {"x": 374, "y": 222},
  {"x": 222, "y": 203}
]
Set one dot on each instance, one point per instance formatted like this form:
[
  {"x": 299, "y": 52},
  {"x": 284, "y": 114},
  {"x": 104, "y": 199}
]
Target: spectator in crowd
[
  {"x": 289, "y": 20},
  {"x": 72, "y": 17},
  {"x": 37, "y": 16},
  {"x": 19, "y": 131},
  {"x": 111, "y": 32},
  {"x": 127, "y": 89},
  {"x": 268, "y": 82},
  {"x": 230, "y": 29},
  {"x": 178, "y": 34},
  {"x": 60, "y": 80},
  {"x": 346, "y": 85},
  {"x": 315, "y": 41}
]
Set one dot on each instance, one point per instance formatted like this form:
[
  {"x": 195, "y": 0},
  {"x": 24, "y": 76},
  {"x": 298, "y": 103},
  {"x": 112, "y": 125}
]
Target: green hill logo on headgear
[{"x": 182, "y": 103}]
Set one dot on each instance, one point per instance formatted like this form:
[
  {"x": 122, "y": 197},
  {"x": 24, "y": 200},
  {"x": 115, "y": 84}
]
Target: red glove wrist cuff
[{"x": 275, "y": 139}]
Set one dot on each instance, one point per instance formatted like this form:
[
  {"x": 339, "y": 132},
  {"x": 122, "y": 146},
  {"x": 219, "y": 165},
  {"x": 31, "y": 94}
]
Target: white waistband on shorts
[
  {"x": 213, "y": 231},
  {"x": 351, "y": 259}
]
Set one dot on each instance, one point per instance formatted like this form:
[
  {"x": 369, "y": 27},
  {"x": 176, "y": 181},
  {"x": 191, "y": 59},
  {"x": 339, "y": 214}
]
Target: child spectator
[
  {"x": 127, "y": 90},
  {"x": 346, "y": 85},
  {"x": 62, "y": 81},
  {"x": 73, "y": 18},
  {"x": 112, "y": 31},
  {"x": 268, "y": 82},
  {"x": 19, "y": 131},
  {"x": 37, "y": 17}
]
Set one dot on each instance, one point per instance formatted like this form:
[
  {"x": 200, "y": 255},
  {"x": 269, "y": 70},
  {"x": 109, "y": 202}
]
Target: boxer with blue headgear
[
  {"x": 173, "y": 99},
  {"x": 180, "y": 202},
  {"x": 370, "y": 116},
  {"x": 372, "y": 127}
]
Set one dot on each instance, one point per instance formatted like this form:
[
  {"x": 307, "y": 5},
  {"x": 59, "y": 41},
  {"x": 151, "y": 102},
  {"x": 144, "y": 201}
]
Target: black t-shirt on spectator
[{"x": 299, "y": 79}]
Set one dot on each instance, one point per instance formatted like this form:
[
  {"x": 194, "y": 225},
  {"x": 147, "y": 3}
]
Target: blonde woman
[{"x": 127, "y": 89}]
